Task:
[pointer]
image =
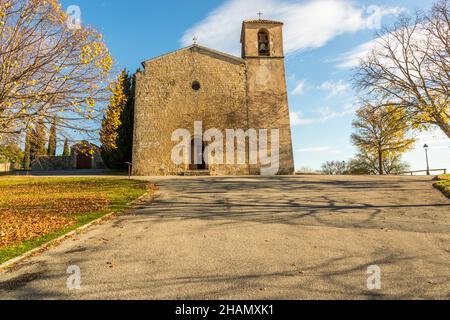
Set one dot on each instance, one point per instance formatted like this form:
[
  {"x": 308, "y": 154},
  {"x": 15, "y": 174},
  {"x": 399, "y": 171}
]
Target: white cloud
[
  {"x": 315, "y": 149},
  {"x": 297, "y": 119},
  {"x": 325, "y": 149},
  {"x": 334, "y": 88},
  {"x": 308, "y": 23},
  {"x": 352, "y": 58},
  {"x": 300, "y": 88},
  {"x": 435, "y": 139},
  {"x": 324, "y": 114}
]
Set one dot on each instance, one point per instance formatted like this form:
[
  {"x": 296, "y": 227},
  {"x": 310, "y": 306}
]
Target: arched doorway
[
  {"x": 199, "y": 150},
  {"x": 84, "y": 161}
]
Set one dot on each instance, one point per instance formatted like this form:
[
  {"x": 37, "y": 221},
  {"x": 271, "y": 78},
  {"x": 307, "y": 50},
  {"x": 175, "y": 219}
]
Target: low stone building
[
  {"x": 83, "y": 156},
  {"x": 45, "y": 163},
  {"x": 199, "y": 84}
]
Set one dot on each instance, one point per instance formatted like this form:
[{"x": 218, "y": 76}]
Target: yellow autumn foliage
[
  {"x": 112, "y": 122},
  {"x": 76, "y": 67},
  {"x": 382, "y": 132}
]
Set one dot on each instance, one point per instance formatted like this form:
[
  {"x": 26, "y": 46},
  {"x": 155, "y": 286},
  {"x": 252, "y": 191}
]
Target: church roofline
[
  {"x": 219, "y": 53},
  {"x": 263, "y": 21},
  {"x": 258, "y": 21}
]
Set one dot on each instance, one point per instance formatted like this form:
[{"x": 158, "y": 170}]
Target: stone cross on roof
[
  {"x": 260, "y": 15},
  {"x": 195, "y": 39}
]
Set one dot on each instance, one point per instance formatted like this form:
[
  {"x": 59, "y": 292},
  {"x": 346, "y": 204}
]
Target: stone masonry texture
[{"x": 234, "y": 93}]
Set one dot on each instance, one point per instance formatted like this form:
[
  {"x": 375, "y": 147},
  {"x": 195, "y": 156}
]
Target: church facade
[{"x": 198, "y": 84}]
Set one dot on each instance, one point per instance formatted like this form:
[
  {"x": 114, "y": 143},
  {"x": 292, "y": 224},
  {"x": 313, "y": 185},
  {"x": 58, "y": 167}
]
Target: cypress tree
[
  {"x": 37, "y": 140},
  {"x": 117, "y": 127},
  {"x": 66, "y": 152},
  {"x": 42, "y": 150},
  {"x": 27, "y": 153},
  {"x": 51, "y": 151},
  {"x": 125, "y": 139}
]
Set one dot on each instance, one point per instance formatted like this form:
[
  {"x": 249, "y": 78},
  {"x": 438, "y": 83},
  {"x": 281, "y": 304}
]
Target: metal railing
[
  {"x": 425, "y": 171},
  {"x": 130, "y": 169}
]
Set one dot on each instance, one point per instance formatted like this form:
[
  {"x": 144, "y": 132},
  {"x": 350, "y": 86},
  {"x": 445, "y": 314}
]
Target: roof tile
[{"x": 263, "y": 21}]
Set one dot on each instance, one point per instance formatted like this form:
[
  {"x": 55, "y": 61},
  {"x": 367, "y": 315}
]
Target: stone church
[{"x": 223, "y": 91}]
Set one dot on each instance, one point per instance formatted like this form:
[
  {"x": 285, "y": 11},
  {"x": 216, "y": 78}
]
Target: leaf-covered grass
[
  {"x": 443, "y": 184},
  {"x": 34, "y": 211}
]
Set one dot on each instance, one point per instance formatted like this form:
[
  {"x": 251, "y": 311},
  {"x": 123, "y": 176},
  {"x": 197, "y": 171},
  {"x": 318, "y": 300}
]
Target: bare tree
[
  {"x": 49, "y": 69},
  {"x": 335, "y": 168},
  {"x": 410, "y": 67}
]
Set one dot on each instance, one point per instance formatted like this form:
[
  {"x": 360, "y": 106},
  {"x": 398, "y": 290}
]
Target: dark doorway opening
[
  {"x": 84, "y": 161},
  {"x": 199, "y": 150}
]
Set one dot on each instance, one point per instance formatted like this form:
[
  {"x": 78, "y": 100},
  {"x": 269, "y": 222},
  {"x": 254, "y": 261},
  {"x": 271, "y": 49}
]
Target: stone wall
[
  {"x": 52, "y": 163},
  {"x": 89, "y": 150},
  {"x": 165, "y": 102},
  {"x": 268, "y": 105},
  {"x": 97, "y": 161},
  {"x": 234, "y": 94},
  {"x": 249, "y": 38},
  {"x": 267, "y": 91}
]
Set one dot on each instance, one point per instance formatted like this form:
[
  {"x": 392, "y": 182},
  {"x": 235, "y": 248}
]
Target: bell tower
[
  {"x": 262, "y": 38},
  {"x": 267, "y": 100}
]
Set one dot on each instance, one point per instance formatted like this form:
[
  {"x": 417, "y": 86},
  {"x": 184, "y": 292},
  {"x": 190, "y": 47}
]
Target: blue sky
[{"x": 323, "y": 40}]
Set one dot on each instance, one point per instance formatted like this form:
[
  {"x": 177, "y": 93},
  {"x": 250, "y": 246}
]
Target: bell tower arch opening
[
  {"x": 263, "y": 43},
  {"x": 262, "y": 39}
]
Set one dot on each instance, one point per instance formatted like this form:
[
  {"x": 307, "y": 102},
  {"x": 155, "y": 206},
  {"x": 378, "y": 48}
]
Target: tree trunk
[
  {"x": 380, "y": 162},
  {"x": 445, "y": 126}
]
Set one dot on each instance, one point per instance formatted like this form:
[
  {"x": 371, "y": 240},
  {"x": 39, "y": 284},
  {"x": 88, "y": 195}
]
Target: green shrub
[{"x": 443, "y": 184}]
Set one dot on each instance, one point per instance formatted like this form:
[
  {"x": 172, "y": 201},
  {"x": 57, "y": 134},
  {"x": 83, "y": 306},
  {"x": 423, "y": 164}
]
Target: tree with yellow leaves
[
  {"x": 381, "y": 137},
  {"x": 48, "y": 68},
  {"x": 116, "y": 135}
]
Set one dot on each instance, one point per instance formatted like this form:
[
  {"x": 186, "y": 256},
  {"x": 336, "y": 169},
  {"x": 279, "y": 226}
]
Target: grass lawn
[
  {"x": 34, "y": 211},
  {"x": 443, "y": 184}
]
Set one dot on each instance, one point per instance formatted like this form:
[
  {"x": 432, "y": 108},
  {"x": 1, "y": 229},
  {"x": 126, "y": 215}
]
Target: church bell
[{"x": 263, "y": 46}]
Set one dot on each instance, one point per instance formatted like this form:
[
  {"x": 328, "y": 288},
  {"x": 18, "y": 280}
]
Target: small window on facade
[
  {"x": 263, "y": 43},
  {"x": 196, "y": 85}
]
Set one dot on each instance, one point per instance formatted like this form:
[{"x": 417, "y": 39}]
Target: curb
[{"x": 10, "y": 263}]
